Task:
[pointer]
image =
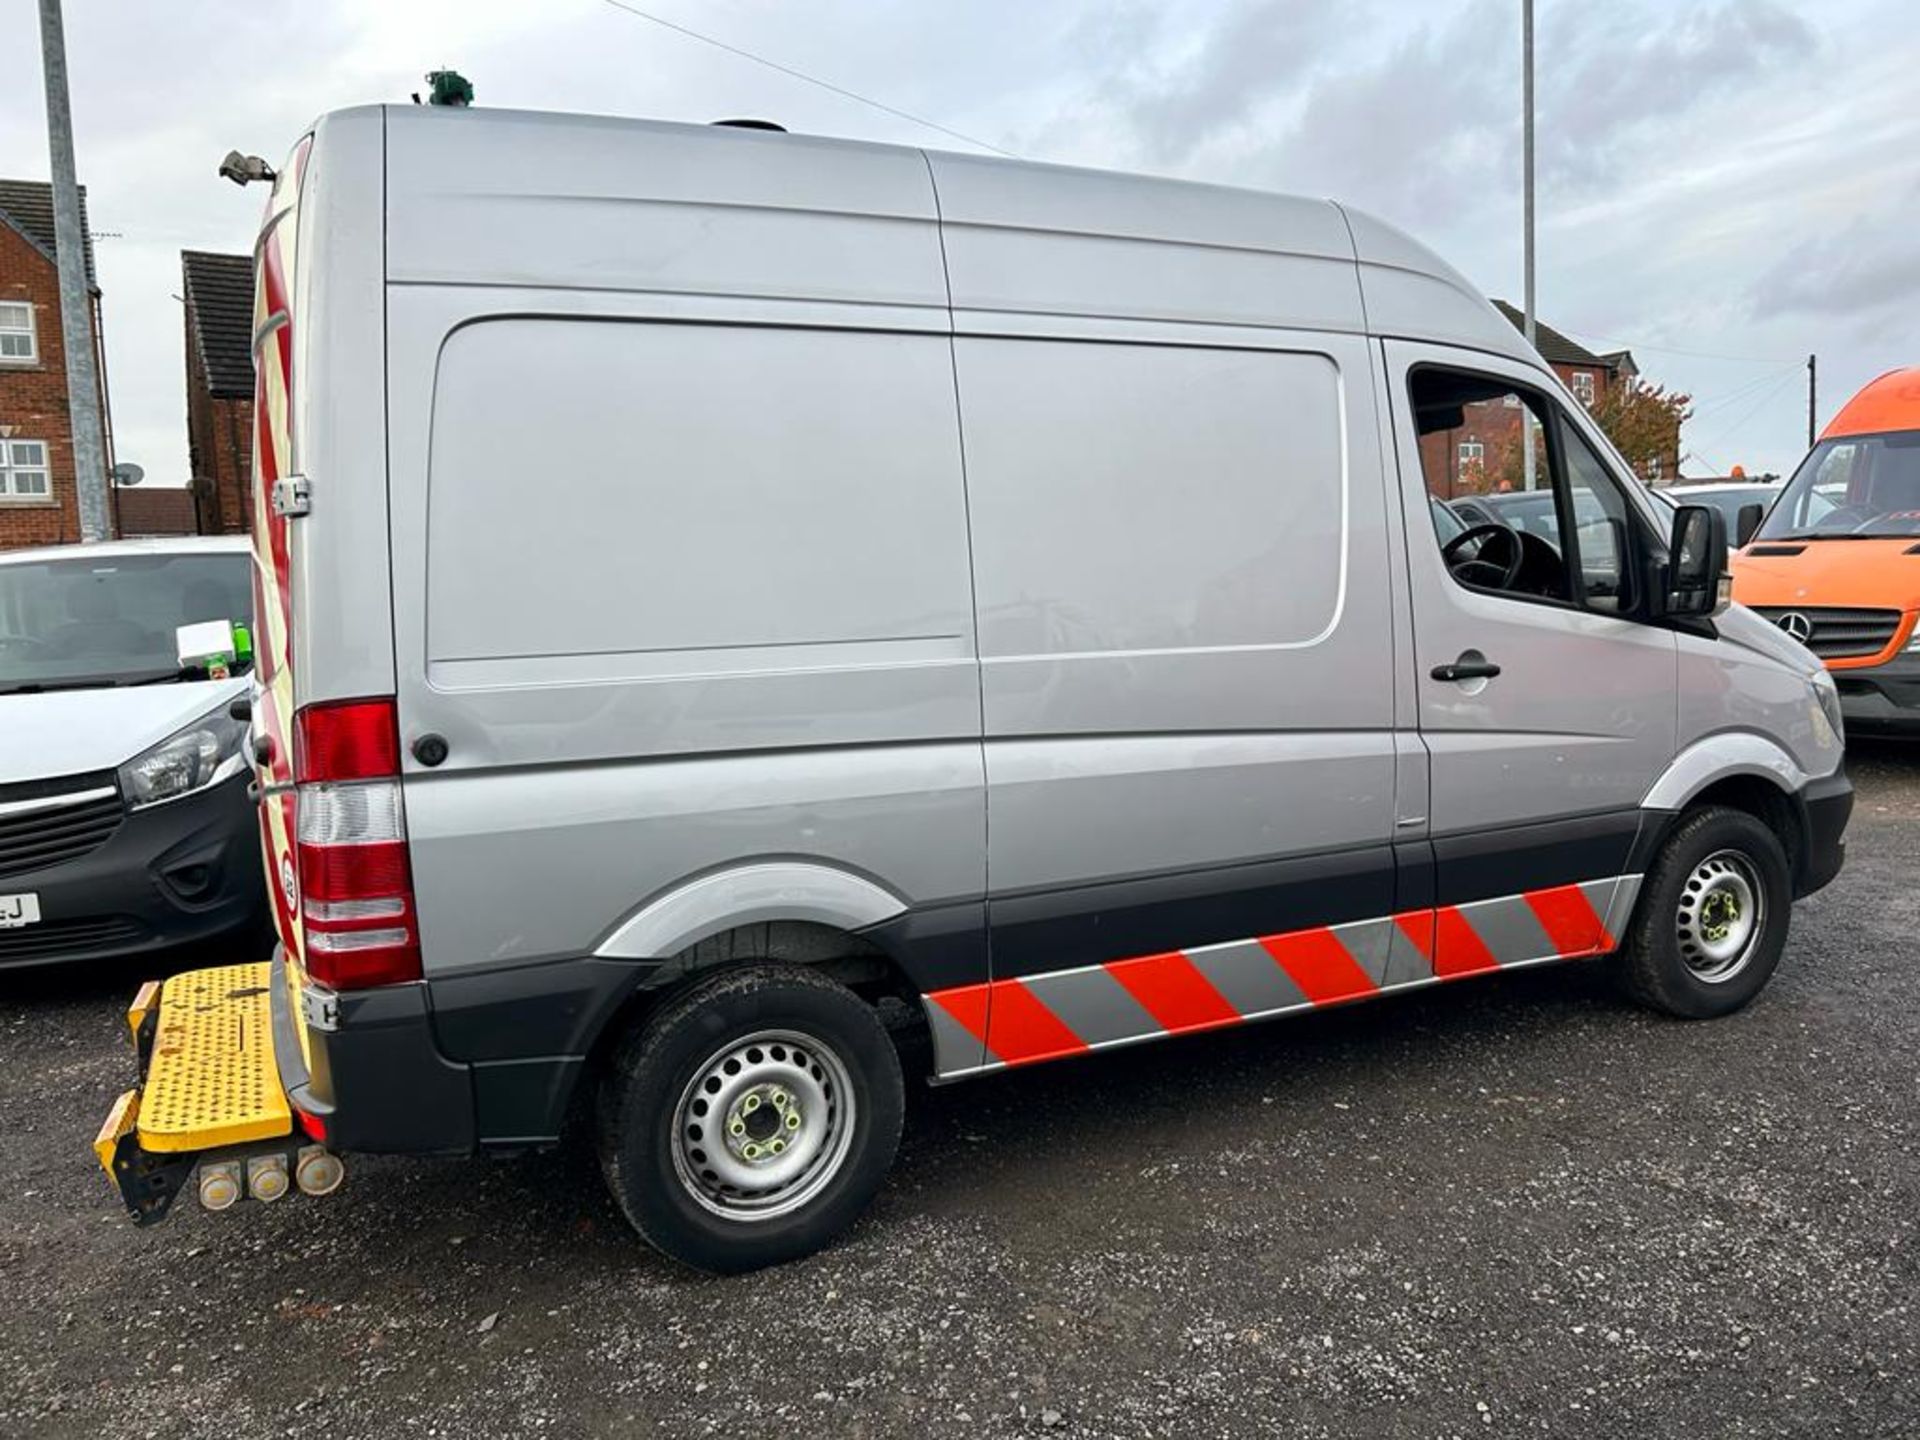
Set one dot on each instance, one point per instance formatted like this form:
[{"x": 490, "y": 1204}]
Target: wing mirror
[
  {"x": 1746, "y": 522},
  {"x": 1698, "y": 581}
]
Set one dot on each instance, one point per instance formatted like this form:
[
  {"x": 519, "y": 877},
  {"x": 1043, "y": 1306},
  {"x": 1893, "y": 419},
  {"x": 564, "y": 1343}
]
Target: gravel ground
[{"x": 1514, "y": 1207}]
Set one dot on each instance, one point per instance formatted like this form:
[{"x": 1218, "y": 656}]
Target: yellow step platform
[{"x": 212, "y": 1080}]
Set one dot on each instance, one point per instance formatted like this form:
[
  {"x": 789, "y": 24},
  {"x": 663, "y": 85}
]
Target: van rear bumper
[{"x": 377, "y": 1083}]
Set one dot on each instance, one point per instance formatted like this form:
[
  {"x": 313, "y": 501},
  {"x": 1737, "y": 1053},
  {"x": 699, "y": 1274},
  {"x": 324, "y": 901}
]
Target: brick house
[
  {"x": 1485, "y": 452},
  {"x": 38, "y": 502},
  {"x": 218, "y": 290}
]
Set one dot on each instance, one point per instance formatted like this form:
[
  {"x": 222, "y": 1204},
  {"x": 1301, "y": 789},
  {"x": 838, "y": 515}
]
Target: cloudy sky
[{"x": 1725, "y": 185}]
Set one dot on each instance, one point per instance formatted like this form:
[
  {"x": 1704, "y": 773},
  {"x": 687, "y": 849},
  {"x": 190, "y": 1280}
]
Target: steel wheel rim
[
  {"x": 1721, "y": 916},
  {"x": 763, "y": 1126}
]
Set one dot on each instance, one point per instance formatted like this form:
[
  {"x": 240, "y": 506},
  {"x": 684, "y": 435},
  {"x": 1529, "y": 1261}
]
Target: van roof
[
  {"x": 108, "y": 549},
  {"x": 515, "y": 197},
  {"x": 1891, "y": 402}
]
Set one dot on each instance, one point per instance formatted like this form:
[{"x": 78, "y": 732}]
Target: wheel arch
[
  {"x": 808, "y": 892},
  {"x": 1742, "y": 771}
]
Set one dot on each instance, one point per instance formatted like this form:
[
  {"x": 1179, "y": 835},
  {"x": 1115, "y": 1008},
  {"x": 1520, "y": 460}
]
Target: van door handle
[{"x": 1471, "y": 665}]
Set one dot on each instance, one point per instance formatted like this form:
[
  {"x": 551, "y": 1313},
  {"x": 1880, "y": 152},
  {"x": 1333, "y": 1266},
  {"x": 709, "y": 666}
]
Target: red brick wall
[
  {"x": 219, "y": 450},
  {"x": 33, "y": 399}
]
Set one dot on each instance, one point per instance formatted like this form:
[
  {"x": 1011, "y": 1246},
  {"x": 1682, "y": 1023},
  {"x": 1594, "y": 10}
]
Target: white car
[{"x": 125, "y": 823}]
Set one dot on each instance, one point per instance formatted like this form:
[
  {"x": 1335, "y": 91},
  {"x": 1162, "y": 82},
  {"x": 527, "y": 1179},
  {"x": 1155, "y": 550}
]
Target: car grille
[
  {"x": 35, "y": 839},
  {"x": 1837, "y": 633},
  {"x": 53, "y": 939}
]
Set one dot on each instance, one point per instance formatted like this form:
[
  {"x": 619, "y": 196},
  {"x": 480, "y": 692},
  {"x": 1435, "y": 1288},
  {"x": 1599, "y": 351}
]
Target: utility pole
[
  {"x": 1813, "y": 375},
  {"x": 70, "y": 252},
  {"x": 1526, "y": 260}
]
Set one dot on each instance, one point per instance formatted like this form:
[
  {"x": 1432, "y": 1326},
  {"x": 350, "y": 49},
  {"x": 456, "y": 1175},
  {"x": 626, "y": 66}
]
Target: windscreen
[
  {"x": 80, "y": 621},
  {"x": 1852, "y": 487}
]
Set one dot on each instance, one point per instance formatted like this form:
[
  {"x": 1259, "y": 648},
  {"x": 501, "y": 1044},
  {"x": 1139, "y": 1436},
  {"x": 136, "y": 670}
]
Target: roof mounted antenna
[{"x": 753, "y": 125}]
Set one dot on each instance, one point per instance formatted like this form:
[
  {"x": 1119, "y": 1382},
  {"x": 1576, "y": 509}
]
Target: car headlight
[
  {"x": 1827, "y": 710},
  {"x": 204, "y": 753}
]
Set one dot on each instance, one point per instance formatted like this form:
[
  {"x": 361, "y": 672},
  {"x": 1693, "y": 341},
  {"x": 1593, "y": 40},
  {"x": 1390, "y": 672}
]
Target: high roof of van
[
  {"x": 538, "y": 199},
  {"x": 1891, "y": 402}
]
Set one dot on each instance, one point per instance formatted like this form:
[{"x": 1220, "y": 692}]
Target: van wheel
[
  {"x": 1712, "y": 918},
  {"x": 751, "y": 1119}
]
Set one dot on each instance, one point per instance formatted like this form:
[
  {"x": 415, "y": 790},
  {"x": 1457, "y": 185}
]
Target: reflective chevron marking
[{"x": 1091, "y": 1007}]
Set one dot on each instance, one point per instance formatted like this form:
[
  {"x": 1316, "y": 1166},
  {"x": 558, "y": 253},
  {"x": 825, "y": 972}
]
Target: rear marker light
[{"x": 355, "y": 877}]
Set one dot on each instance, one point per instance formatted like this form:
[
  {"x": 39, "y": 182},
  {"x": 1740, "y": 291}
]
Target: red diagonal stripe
[
  {"x": 1320, "y": 965},
  {"x": 1171, "y": 988},
  {"x": 1417, "y": 926},
  {"x": 969, "y": 1004},
  {"x": 1021, "y": 1029},
  {"x": 1457, "y": 947},
  {"x": 1570, "y": 921}
]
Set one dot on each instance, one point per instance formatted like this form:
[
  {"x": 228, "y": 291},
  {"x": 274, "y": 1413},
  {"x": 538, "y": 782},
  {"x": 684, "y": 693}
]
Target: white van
[
  {"x": 726, "y": 588},
  {"x": 126, "y": 829}
]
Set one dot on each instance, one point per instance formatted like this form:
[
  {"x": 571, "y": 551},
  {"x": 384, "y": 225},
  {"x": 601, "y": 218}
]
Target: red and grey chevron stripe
[{"x": 1069, "y": 1012}]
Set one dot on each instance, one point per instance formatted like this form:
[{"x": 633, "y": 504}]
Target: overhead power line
[{"x": 788, "y": 70}]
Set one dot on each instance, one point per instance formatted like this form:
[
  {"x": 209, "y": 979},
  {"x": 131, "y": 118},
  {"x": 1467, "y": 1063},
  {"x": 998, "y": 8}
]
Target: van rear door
[{"x": 274, "y": 260}]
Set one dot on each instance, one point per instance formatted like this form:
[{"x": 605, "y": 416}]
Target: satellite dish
[{"x": 127, "y": 473}]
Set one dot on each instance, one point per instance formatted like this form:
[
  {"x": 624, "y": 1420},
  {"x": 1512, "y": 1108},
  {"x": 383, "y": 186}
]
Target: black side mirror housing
[
  {"x": 1698, "y": 582},
  {"x": 1747, "y": 522}
]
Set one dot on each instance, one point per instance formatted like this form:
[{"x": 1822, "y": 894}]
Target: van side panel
[
  {"x": 1187, "y": 663},
  {"x": 680, "y": 564}
]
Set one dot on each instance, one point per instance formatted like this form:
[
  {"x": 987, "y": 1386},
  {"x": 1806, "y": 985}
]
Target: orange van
[{"x": 1836, "y": 562}]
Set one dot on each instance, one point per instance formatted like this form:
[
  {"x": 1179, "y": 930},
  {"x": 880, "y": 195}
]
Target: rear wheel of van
[
  {"x": 750, "y": 1119},
  {"x": 1712, "y": 917}
]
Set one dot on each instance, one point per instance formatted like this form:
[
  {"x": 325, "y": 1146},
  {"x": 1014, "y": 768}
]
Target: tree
[{"x": 1643, "y": 421}]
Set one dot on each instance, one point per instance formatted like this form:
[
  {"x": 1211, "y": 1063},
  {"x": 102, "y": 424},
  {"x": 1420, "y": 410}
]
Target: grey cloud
[{"x": 1868, "y": 272}]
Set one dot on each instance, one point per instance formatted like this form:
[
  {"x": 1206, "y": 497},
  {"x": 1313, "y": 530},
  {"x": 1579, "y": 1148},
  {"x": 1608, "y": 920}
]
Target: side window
[
  {"x": 1483, "y": 448},
  {"x": 1547, "y": 523},
  {"x": 1601, "y": 524}
]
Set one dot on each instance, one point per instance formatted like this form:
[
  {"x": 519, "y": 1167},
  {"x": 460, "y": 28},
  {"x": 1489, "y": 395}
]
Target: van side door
[
  {"x": 1186, "y": 639},
  {"x": 1548, "y": 710}
]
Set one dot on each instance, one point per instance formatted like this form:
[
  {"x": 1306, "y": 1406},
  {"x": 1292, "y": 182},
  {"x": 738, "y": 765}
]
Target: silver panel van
[{"x": 731, "y": 599}]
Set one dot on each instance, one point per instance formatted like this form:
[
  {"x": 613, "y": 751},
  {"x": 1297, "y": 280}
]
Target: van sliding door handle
[{"x": 1470, "y": 666}]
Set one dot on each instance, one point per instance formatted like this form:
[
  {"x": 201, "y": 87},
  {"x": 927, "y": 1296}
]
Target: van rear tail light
[{"x": 356, "y": 881}]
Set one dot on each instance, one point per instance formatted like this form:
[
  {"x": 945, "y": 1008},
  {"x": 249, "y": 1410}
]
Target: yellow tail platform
[{"x": 213, "y": 1080}]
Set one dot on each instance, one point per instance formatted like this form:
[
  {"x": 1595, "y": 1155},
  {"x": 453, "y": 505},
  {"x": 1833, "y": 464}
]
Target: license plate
[{"x": 18, "y": 910}]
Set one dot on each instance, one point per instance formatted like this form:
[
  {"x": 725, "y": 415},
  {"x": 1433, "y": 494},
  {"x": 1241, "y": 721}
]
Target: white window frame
[
  {"x": 30, "y": 330},
  {"x": 1471, "y": 452},
  {"x": 1582, "y": 387},
  {"x": 1656, "y": 469},
  {"x": 13, "y": 470}
]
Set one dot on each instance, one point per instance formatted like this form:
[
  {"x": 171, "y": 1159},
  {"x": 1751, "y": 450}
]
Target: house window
[
  {"x": 23, "y": 470},
  {"x": 1583, "y": 387},
  {"x": 1656, "y": 471},
  {"x": 1472, "y": 452},
  {"x": 17, "y": 343}
]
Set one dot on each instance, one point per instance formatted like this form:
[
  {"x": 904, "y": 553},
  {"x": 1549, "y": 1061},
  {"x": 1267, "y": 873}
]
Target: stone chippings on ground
[{"x": 1507, "y": 1207}]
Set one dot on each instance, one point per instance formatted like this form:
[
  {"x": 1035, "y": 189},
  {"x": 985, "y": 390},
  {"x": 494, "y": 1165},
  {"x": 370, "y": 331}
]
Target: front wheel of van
[
  {"x": 1712, "y": 917},
  {"x": 750, "y": 1120}
]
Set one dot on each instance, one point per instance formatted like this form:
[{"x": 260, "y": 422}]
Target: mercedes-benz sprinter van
[
  {"x": 1834, "y": 562},
  {"x": 722, "y": 591}
]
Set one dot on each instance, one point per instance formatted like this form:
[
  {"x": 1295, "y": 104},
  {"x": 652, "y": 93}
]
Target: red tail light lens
[
  {"x": 356, "y": 882},
  {"x": 347, "y": 740}
]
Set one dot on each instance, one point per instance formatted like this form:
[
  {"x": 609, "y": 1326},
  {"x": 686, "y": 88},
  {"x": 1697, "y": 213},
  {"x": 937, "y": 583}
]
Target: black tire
[
  {"x": 1654, "y": 967},
  {"x": 652, "y": 1071}
]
